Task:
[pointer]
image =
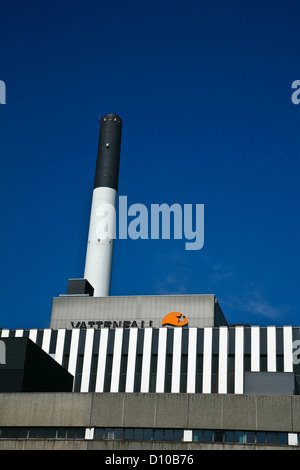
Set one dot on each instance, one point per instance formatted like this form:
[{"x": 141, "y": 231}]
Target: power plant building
[{"x": 163, "y": 372}]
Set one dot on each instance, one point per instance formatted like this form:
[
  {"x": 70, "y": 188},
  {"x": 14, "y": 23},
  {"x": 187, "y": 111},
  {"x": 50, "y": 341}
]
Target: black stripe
[{"x": 108, "y": 157}]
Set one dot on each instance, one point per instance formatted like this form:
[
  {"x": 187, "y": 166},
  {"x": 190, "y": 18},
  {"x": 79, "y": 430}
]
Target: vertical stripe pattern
[
  {"x": 207, "y": 360},
  {"x": 145, "y": 377},
  {"x": 121, "y": 359},
  {"x": 131, "y": 360},
  {"x": 192, "y": 357},
  {"x": 239, "y": 360},
  {"x": 223, "y": 359},
  {"x": 161, "y": 360}
]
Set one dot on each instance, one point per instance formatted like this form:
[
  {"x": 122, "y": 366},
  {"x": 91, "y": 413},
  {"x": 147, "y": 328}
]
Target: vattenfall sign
[
  {"x": 83, "y": 325},
  {"x": 175, "y": 319}
]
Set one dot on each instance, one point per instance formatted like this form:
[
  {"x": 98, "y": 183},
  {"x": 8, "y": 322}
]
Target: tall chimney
[{"x": 98, "y": 263}]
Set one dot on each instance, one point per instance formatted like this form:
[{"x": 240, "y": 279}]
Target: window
[
  {"x": 33, "y": 433},
  {"x": 43, "y": 433},
  {"x": 230, "y": 377},
  {"x": 183, "y": 373},
  {"x": 218, "y": 436},
  {"x": 279, "y": 363},
  {"x": 239, "y": 437},
  {"x": 199, "y": 373},
  {"x": 158, "y": 435},
  {"x": 78, "y": 374},
  {"x": 93, "y": 372},
  {"x": 108, "y": 369},
  {"x": 168, "y": 374},
  {"x": 178, "y": 435},
  {"x": 4, "y": 433},
  {"x": 153, "y": 370},
  {"x": 250, "y": 437},
  {"x": 109, "y": 433},
  {"x": 168, "y": 435},
  {"x": 148, "y": 434},
  {"x": 271, "y": 438},
  {"x": 215, "y": 373},
  {"x": 61, "y": 433},
  {"x": 119, "y": 434},
  {"x": 128, "y": 434},
  {"x": 123, "y": 371},
  {"x": 138, "y": 434},
  {"x": 261, "y": 437},
  {"x": 263, "y": 363},
  {"x": 197, "y": 436},
  {"x": 99, "y": 433},
  {"x": 247, "y": 362},
  {"x": 71, "y": 433},
  {"x": 80, "y": 433},
  {"x": 229, "y": 436},
  {"x": 207, "y": 436},
  {"x": 138, "y": 372},
  {"x": 282, "y": 438},
  {"x": 17, "y": 433}
]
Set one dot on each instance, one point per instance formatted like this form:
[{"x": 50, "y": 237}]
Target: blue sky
[{"x": 204, "y": 92}]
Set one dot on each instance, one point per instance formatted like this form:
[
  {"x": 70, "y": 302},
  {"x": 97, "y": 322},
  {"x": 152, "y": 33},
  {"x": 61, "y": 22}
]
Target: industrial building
[{"x": 146, "y": 373}]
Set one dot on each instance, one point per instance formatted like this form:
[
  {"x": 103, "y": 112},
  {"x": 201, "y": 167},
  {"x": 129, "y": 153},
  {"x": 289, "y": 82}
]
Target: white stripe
[
  {"x": 239, "y": 360},
  {"x": 19, "y": 333},
  {"x": 131, "y": 360},
  {"x": 271, "y": 349},
  {"x": 255, "y": 348},
  {"x": 89, "y": 433},
  {"x": 99, "y": 387},
  {"x": 207, "y": 359},
  {"x": 145, "y": 376},
  {"x": 176, "y": 363},
  {"x": 46, "y": 340},
  {"x": 73, "y": 352},
  {"x": 192, "y": 356},
  {"x": 161, "y": 360},
  {"x": 98, "y": 263},
  {"x": 115, "y": 373},
  {"x": 288, "y": 348},
  {"x": 5, "y": 333},
  {"x": 223, "y": 359},
  {"x": 87, "y": 360},
  {"x": 60, "y": 345},
  {"x": 187, "y": 435},
  {"x": 33, "y": 335}
]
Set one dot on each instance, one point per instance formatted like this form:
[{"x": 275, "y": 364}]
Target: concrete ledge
[
  {"x": 116, "y": 446},
  {"x": 182, "y": 411}
]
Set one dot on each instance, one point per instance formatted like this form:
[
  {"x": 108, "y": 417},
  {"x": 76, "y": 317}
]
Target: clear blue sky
[{"x": 204, "y": 92}]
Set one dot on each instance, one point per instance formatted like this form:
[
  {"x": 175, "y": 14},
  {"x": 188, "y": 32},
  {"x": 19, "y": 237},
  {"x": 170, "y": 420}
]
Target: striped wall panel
[{"x": 195, "y": 360}]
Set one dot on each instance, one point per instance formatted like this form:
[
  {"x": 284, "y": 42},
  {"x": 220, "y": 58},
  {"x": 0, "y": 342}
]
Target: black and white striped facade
[{"x": 168, "y": 360}]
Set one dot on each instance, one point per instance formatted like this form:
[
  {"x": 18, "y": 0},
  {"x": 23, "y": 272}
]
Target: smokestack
[{"x": 98, "y": 263}]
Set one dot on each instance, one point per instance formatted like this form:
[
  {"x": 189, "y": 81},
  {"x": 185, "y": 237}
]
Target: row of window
[
  {"x": 42, "y": 433},
  {"x": 199, "y": 435},
  {"x": 241, "y": 437},
  {"x": 148, "y": 434},
  {"x": 139, "y": 434}
]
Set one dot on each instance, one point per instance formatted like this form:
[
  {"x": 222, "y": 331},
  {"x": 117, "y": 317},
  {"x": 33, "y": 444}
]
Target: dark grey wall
[{"x": 269, "y": 383}]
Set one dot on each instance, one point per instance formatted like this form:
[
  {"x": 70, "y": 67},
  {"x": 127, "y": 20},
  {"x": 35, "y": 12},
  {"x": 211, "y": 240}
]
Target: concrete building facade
[{"x": 110, "y": 421}]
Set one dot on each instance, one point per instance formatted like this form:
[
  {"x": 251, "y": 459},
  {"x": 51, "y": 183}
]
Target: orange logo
[{"x": 175, "y": 319}]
